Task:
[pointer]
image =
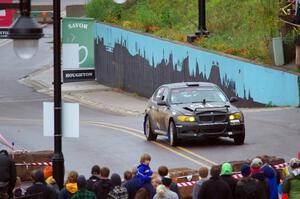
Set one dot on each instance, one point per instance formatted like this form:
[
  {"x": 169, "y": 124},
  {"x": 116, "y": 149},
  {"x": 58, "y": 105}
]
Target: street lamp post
[
  {"x": 58, "y": 158},
  {"x": 201, "y": 22},
  {"x": 25, "y": 32}
]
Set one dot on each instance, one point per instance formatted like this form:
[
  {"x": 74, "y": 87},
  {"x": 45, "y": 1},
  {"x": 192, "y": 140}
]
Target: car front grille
[{"x": 212, "y": 117}]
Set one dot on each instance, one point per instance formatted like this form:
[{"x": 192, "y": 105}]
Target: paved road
[{"x": 120, "y": 145}]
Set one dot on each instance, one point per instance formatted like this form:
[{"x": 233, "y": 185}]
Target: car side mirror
[
  {"x": 162, "y": 103},
  {"x": 234, "y": 99}
]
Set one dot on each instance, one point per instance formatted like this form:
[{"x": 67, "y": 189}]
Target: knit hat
[
  {"x": 81, "y": 182},
  {"x": 245, "y": 170},
  {"x": 294, "y": 163},
  {"x": 256, "y": 163},
  {"x": 226, "y": 169},
  {"x": 166, "y": 181},
  {"x": 115, "y": 179},
  {"x": 268, "y": 171},
  {"x": 39, "y": 176}
]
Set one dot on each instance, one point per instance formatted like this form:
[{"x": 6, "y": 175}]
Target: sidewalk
[
  {"x": 100, "y": 97},
  {"x": 89, "y": 93}
]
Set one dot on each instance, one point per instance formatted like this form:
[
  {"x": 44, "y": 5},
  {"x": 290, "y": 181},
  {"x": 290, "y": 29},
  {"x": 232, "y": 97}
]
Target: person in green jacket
[
  {"x": 291, "y": 184},
  {"x": 82, "y": 190}
]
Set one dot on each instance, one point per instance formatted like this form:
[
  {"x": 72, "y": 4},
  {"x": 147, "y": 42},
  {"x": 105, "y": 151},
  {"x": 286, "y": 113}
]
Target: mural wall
[{"x": 140, "y": 63}]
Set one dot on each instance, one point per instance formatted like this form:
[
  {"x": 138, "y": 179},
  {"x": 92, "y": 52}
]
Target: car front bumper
[{"x": 194, "y": 130}]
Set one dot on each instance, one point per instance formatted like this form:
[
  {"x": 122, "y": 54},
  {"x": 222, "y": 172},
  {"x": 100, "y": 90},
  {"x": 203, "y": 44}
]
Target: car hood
[{"x": 200, "y": 107}]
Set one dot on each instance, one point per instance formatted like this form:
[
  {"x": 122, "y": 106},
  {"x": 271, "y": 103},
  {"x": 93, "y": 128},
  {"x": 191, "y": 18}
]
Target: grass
[{"x": 242, "y": 28}]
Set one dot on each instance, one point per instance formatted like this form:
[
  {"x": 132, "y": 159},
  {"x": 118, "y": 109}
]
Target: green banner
[{"x": 78, "y": 36}]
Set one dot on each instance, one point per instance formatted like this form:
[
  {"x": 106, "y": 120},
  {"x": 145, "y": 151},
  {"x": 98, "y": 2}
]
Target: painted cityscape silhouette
[{"x": 118, "y": 68}]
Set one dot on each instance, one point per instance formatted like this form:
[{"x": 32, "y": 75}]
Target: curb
[{"x": 67, "y": 95}]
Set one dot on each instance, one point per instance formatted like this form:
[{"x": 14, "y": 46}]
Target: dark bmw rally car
[{"x": 190, "y": 110}]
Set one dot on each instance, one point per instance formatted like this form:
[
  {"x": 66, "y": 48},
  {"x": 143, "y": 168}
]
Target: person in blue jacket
[{"x": 144, "y": 174}]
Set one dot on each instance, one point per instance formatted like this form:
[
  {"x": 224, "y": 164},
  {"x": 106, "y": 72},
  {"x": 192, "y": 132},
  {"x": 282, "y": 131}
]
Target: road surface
[{"x": 117, "y": 141}]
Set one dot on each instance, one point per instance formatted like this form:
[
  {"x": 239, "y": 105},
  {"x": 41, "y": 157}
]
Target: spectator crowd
[{"x": 259, "y": 180}]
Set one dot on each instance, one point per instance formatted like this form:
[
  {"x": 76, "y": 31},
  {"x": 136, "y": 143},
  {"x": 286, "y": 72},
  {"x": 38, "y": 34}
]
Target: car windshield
[{"x": 196, "y": 95}]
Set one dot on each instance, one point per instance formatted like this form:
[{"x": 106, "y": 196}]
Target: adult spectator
[
  {"x": 257, "y": 173},
  {"x": 70, "y": 187},
  {"x": 226, "y": 175},
  {"x": 271, "y": 178},
  {"x": 248, "y": 187},
  {"x": 203, "y": 173},
  {"x": 163, "y": 191},
  {"x": 133, "y": 185},
  {"x": 82, "y": 192},
  {"x": 95, "y": 177},
  {"x": 104, "y": 185},
  {"x": 164, "y": 171},
  {"x": 117, "y": 192},
  {"x": 8, "y": 174},
  {"x": 40, "y": 188},
  {"x": 291, "y": 184},
  {"x": 215, "y": 187}
]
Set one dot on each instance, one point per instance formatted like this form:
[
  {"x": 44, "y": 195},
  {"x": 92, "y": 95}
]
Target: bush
[{"x": 242, "y": 28}]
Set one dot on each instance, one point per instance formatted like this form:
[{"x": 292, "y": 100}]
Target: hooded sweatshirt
[
  {"x": 249, "y": 188},
  {"x": 68, "y": 191},
  {"x": 271, "y": 179},
  {"x": 226, "y": 175},
  {"x": 291, "y": 185},
  {"x": 102, "y": 188},
  {"x": 144, "y": 173}
]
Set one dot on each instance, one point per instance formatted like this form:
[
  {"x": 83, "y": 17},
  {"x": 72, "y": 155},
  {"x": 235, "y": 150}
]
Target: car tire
[
  {"x": 239, "y": 139},
  {"x": 173, "y": 140},
  {"x": 150, "y": 136}
]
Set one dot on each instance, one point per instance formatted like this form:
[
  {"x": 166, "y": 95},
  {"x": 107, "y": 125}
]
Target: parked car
[{"x": 190, "y": 110}]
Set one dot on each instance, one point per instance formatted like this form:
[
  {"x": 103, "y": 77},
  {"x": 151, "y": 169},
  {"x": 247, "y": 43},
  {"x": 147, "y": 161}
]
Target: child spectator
[
  {"x": 203, "y": 173},
  {"x": 127, "y": 176},
  {"x": 144, "y": 170},
  {"x": 95, "y": 177},
  {"x": 144, "y": 174},
  {"x": 70, "y": 187},
  {"x": 164, "y": 171},
  {"x": 117, "y": 192},
  {"x": 104, "y": 185},
  {"x": 82, "y": 192},
  {"x": 226, "y": 175}
]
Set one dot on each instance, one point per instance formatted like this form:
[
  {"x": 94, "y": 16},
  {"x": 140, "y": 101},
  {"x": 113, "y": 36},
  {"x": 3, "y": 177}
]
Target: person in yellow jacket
[{"x": 70, "y": 186}]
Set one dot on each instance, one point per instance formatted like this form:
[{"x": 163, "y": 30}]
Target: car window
[
  {"x": 161, "y": 94},
  {"x": 158, "y": 95},
  {"x": 197, "y": 94}
]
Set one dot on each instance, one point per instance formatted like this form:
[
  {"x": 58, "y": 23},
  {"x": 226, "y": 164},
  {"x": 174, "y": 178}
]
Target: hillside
[{"x": 242, "y": 28}]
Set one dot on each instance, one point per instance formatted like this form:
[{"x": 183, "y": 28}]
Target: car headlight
[
  {"x": 235, "y": 116},
  {"x": 185, "y": 118}
]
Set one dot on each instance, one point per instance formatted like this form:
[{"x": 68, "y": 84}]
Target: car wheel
[
  {"x": 150, "y": 136},
  {"x": 239, "y": 139},
  {"x": 172, "y": 134}
]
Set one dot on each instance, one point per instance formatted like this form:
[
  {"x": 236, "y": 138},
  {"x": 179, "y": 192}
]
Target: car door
[
  {"x": 154, "y": 113},
  {"x": 163, "y": 112}
]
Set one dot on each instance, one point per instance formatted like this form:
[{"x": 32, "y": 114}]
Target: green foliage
[{"x": 238, "y": 27}]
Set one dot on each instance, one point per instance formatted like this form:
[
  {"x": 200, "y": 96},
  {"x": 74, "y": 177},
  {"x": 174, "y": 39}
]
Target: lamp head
[
  {"x": 25, "y": 32},
  {"x": 120, "y": 1}
]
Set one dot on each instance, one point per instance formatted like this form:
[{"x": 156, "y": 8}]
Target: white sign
[
  {"x": 2, "y": 13},
  {"x": 70, "y": 119},
  {"x": 70, "y": 55}
]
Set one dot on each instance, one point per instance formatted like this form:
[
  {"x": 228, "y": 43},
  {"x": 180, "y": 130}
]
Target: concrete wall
[{"x": 140, "y": 63}]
